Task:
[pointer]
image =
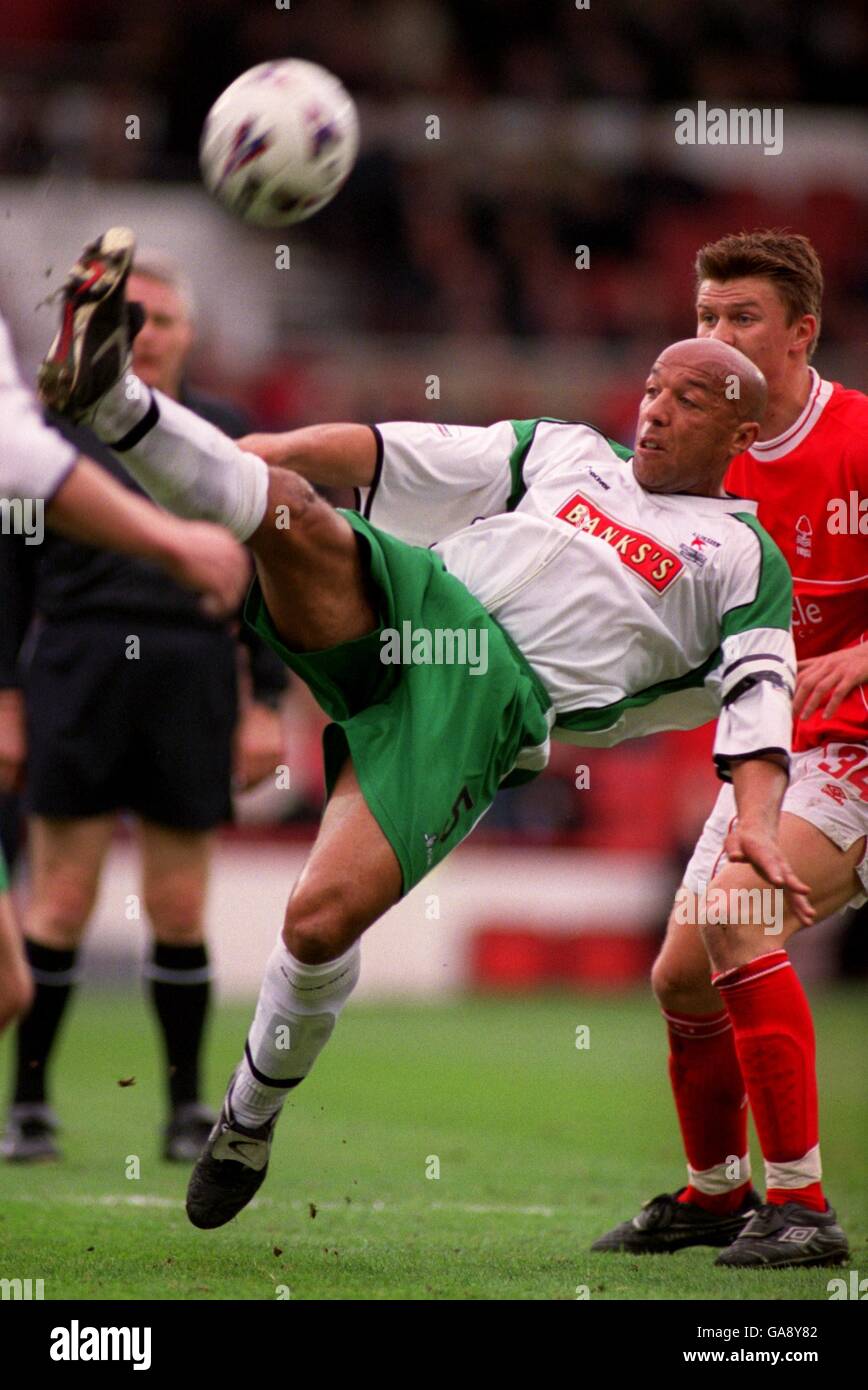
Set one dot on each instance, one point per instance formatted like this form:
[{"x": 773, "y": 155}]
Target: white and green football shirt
[{"x": 639, "y": 611}]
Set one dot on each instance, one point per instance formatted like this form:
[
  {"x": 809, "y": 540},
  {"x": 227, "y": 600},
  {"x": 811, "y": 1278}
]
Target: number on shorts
[
  {"x": 848, "y": 769},
  {"x": 462, "y": 799}
]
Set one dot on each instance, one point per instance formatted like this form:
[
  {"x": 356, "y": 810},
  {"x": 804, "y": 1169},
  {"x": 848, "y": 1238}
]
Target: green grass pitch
[{"x": 541, "y": 1146}]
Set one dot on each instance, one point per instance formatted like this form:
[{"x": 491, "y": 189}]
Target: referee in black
[{"x": 128, "y": 701}]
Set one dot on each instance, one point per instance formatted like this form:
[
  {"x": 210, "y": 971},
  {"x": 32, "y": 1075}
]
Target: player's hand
[
  {"x": 757, "y": 846},
  {"x": 13, "y": 740},
  {"x": 829, "y": 679},
  {"x": 259, "y": 746},
  {"x": 269, "y": 447},
  {"x": 206, "y": 558}
]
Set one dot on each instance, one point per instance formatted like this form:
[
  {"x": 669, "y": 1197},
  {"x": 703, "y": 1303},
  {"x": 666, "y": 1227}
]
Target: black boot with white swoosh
[{"x": 230, "y": 1170}]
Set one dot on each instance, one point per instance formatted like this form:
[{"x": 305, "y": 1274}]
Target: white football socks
[
  {"x": 187, "y": 465},
  {"x": 295, "y": 1015}
]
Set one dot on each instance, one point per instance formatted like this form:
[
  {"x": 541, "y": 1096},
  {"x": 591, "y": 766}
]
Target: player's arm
[
  {"x": 16, "y": 984},
  {"x": 18, "y": 567},
  {"x": 759, "y": 785},
  {"x": 333, "y": 455},
  {"x": 84, "y": 502},
  {"x": 417, "y": 480},
  {"x": 755, "y": 678},
  {"x": 91, "y": 507},
  {"x": 754, "y": 683}
]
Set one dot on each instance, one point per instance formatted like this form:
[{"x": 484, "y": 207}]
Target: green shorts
[
  {"x": 4, "y": 873},
  {"x": 431, "y": 742}
]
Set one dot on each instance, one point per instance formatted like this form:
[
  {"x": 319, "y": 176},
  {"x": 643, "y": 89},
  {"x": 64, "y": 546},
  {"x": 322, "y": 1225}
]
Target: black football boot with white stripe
[
  {"x": 230, "y": 1170},
  {"x": 92, "y": 347},
  {"x": 664, "y": 1225},
  {"x": 782, "y": 1237}
]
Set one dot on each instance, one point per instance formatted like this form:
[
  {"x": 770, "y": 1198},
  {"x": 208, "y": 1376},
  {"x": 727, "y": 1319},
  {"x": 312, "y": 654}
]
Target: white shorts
[{"x": 828, "y": 788}]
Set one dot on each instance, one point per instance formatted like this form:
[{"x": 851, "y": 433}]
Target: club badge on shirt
[{"x": 804, "y": 537}]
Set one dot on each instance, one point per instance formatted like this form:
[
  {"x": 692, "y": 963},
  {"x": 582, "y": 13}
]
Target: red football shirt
[{"x": 811, "y": 484}]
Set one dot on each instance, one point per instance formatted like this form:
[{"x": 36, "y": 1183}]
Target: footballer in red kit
[
  {"x": 740, "y": 1027},
  {"x": 811, "y": 484}
]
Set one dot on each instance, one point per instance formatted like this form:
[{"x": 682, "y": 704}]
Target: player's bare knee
[
  {"x": 58, "y": 917},
  {"x": 320, "y": 924},
  {"x": 664, "y": 981},
  {"x": 677, "y": 987},
  {"x": 175, "y": 913},
  {"x": 291, "y": 513}
]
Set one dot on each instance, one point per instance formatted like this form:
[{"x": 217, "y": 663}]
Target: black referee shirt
[{"x": 61, "y": 580}]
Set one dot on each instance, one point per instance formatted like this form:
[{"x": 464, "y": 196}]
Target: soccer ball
[{"x": 279, "y": 142}]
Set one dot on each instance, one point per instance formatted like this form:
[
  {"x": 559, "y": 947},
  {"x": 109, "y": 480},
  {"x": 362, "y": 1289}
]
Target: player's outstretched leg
[
  {"x": 350, "y": 879},
  {"x": 186, "y": 464},
  {"x": 312, "y": 578}
]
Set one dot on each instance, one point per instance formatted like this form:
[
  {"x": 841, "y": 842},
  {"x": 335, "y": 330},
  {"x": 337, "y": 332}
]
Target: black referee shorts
[{"x": 150, "y": 734}]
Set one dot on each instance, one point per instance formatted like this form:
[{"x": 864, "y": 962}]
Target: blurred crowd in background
[
  {"x": 429, "y": 249},
  {"x": 436, "y": 248},
  {"x": 178, "y": 55}
]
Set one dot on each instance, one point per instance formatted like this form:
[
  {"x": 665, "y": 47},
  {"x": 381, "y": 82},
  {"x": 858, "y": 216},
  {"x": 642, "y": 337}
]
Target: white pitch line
[
  {"x": 481, "y": 1209},
  {"x": 112, "y": 1200},
  {"x": 108, "y": 1200}
]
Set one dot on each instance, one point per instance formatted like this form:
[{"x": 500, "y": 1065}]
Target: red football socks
[
  {"x": 774, "y": 1042},
  {"x": 712, "y": 1109}
]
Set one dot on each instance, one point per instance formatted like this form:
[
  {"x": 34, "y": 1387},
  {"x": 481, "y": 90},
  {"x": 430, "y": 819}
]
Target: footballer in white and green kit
[
  {"x": 607, "y": 593},
  {"x": 639, "y": 611},
  {"x": 634, "y": 611}
]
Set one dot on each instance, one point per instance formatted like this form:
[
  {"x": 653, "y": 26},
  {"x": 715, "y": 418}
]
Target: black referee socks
[
  {"x": 54, "y": 975},
  {"x": 180, "y": 987}
]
